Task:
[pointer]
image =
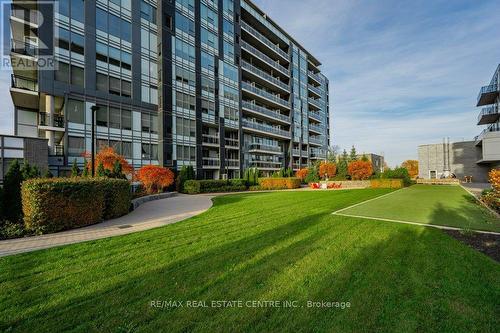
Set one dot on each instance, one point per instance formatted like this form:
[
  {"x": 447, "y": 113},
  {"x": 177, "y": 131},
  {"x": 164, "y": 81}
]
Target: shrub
[
  {"x": 492, "y": 197},
  {"x": 398, "y": 173},
  {"x": 55, "y": 204},
  {"x": 212, "y": 186},
  {"x": 360, "y": 170},
  {"x": 494, "y": 178},
  {"x": 155, "y": 178},
  {"x": 412, "y": 167},
  {"x": 327, "y": 169},
  {"x": 386, "y": 183},
  {"x": 282, "y": 173},
  {"x": 312, "y": 175},
  {"x": 302, "y": 173},
  {"x": 107, "y": 157},
  {"x": 279, "y": 183},
  {"x": 251, "y": 176},
  {"x": 186, "y": 173},
  {"x": 12, "y": 192}
]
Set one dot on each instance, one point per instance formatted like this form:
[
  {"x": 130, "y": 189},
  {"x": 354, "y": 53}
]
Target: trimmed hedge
[
  {"x": 279, "y": 183},
  {"x": 211, "y": 186},
  {"x": 55, "y": 204},
  {"x": 386, "y": 183}
]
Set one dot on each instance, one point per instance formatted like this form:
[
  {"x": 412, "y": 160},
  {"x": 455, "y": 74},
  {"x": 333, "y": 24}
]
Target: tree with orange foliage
[
  {"x": 155, "y": 178},
  {"x": 327, "y": 169},
  {"x": 108, "y": 157},
  {"x": 360, "y": 170},
  {"x": 301, "y": 173},
  {"x": 412, "y": 167}
]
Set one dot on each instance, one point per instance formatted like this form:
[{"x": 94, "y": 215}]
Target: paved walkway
[
  {"x": 147, "y": 216},
  {"x": 476, "y": 188}
]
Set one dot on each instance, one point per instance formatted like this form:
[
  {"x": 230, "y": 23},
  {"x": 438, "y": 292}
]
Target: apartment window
[
  {"x": 185, "y": 127},
  {"x": 148, "y": 12},
  {"x": 209, "y": 38},
  {"x": 207, "y": 61},
  {"x": 75, "y": 112},
  {"x": 126, "y": 88},
  {"x": 62, "y": 72},
  {"x": 113, "y": 25},
  {"x": 114, "y": 86},
  {"x": 228, "y": 27},
  {"x": 146, "y": 151},
  {"x": 77, "y": 10},
  {"x": 184, "y": 24},
  {"x": 63, "y": 39},
  {"x": 126, "y": 120},
  {"x": 185, "y": 101},
  {"x": 77, "y": 76},
  {"x": 102, "y": 116},
  {"x": 186, "y": 153},
  {"x": 102, "y": 82},
  {"x": 209, "y": 16},
  {"x": 184, "y": 50},
  {"x": 146, "y": 122},
  {"x": 207, "y": 85},
  {"x": 101, "y": 19},
  {"x": 77, "y": 43},
  {"x": 207, "y": 107},
  {"x": 154, "y": 124},
  {"x": 76, "y": 146},
  {"x": 114, "y": 117},
  {"x": 184, "y": 75},
  {"x": 127, "y": 149}
]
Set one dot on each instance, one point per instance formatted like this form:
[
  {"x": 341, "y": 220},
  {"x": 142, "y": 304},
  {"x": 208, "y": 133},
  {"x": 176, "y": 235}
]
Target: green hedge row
[
  {"x": 210, "y": 186},
  {"x": 54, "y": 204}
]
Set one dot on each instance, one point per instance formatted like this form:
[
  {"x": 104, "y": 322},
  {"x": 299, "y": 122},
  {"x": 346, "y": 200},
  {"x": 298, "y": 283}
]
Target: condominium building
[
  {"x": 489, "y": 117},
  {"x": 213, "y": 84}
]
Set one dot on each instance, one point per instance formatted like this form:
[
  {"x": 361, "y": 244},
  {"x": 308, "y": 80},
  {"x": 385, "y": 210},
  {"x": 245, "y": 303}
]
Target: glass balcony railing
[
  {"x": 266, "y": 111},
  {"x": 24, "y": 83},
  {"x": 315, "y": 140},
  {"x": 264, "y": 75},
  {"x": 315, "y": 116},
  {"x": 316, "y": 90},
  {"x": 296, "y": 152},
  {"x": 314, "y": 76},
  {"x": 262, "y": 147},
  {"x": 265, "y": 94},
  {"x": 210, "y": 139},
  {"x": 56, "y": 121},
  {"x": 265, "y": 164},
  {"x": 264, "y": 40},
  {"x": 264, "y": 58},
  {"x": 232, "y": 162},
  {"x": 265, "y": 128},
  {"x": 490, "y": 110},
  {"x": 316, "y": 128},
  {"x": 314, "y": 102},
  {"x": 231, "y": 142},
  {"x": 211, "y": 161}
]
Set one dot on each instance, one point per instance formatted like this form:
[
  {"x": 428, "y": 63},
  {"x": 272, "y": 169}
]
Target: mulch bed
[{"x": 485, "y": 243}]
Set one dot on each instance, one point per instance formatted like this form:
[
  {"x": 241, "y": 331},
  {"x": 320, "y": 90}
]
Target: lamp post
[{"x": 94, "y": 109}]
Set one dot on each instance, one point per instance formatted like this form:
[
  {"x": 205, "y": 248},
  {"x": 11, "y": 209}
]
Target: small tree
[
  {"x": 327, "y": 169},
  {"x": 75, "y": 171},
  {"x": 301, "y": 173},
  {"x": 117, "y": 170},
  {"x": 353, "y": 156},
  {"x": 312, "y": 174},
  {"x": 101, "y": 172},
  {"x": 364, "y": 158},
  {"x": 360, "y": 170},
  {"x": 28, "y": 171},
  {"x": 342, "y": 166},
  {"x": 12, "y": 192},
  {"x": 251, "y": 176},
  {"x": 186, "y": 173},
  {"x": 155, "y": 178},
  {"x": 412, "y": 167},
  {"x": 85, "y": 172}
]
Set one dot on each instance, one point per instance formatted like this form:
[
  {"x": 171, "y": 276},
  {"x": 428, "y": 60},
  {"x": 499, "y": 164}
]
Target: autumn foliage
[
  {"x": 327, "y": 169},
  {"x": 360, "y": 170},
  {"x": 108, "y": 156},
  {"x": 155, "y": 178},
  {"x": 494, "y": 177},
  {"x": 412, "y": 167},
  {"x": 301, "y": 173}
]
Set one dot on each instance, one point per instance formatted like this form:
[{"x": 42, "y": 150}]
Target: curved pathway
[{"x": 147, "y": 216}]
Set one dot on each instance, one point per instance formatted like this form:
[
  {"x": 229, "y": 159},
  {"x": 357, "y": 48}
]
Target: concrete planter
[{"x": 139, "y": 201}]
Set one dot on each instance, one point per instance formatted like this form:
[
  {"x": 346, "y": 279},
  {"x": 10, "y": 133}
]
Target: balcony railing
[
  {"x": 264, "y": 40},
  {"x": 316, "y": 128},
  {"x": 57, "y": 120},
  {"x": 211, "y": 161},
  {"x": 488, "y": 115},
  {"x": 315, "y": 140},
  {"x": 315, "y": 76},
  {"x": 315, "y": 116},
  {"x": 24, "y": 48},
  {"x": 264, "y": 75},
  {"x": 265, "y": 128},
  {"x": 315, "y": 90},
  {"x": 266, "y": 111},
  {"x": 491, "y": 128},
  {"x": 231, "y": 142},
  {"x": 265, "y": 94},
  {"x": 264, "y": 58},
  {"x": 314, "y": 102},
  {"x": 262, "y": 147},
  {"x": 296, "y": 152},
  {"x": 210, "y": 139},
  {"x": 487, "y": 94},
  {"x": 232, "y": 162},
  {"x": 58, "y": 150},
  {"x": 25, "y": 83},
  {"x": 265, "y": 164}
]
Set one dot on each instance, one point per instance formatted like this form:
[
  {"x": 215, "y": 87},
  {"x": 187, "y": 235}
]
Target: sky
[{"x": 402, "y": 73}]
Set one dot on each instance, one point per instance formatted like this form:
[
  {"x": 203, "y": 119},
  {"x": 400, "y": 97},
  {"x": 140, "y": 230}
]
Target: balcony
[
  {"x": 211, "y": 162},
  {"x": 315, "y": 77},
  {"x": 232, "y": 163},
  {"x": 487, "y": 95},
  {"x": 315, "y": 140},
  {"x": 24, "y": 92},
  {"x": 257, "y": 35},
  {"x": 488, "y": 115},
  {"x": 316, "y": 116},
  {"x": 261, "y": 148},
  {"x": 266, "y": 129},
  {"x": 265, "y": 76},
  {"x": 265, "y": 165},
  {"x": 314, "y": 102},
  {"x": 210, "y": 139},
  {"x": 49, "y": 122},
  {"x": 315, "y": 90},
  {"x": 268, "y": 113},
  {"x": 231, "y": 143},
  {"x": 492, "y": 128},
  {"x": 23, "y": 48},
  {"x": 296, "y": 152},
  {"x": 317, "y": 155},
  {"x": 316, "y": 128},
  {"x": 274, "y": 64},
  {"x": 265, "y": 95}
]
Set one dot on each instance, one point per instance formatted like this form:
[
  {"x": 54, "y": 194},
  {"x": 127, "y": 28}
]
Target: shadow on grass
[{"x": 466, "y": 216}]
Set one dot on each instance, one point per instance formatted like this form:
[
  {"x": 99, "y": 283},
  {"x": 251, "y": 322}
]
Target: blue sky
[{"x": 402, "y": 73}]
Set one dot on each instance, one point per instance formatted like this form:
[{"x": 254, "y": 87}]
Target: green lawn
[
  {"x": 262, "y": 246},
  {"x": 430, "y": 204}
]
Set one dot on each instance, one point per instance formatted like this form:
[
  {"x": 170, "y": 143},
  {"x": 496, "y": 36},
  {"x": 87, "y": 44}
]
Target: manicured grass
[
  {"x": 430, "y": 204},
  {"x": 262, "y": 246}
]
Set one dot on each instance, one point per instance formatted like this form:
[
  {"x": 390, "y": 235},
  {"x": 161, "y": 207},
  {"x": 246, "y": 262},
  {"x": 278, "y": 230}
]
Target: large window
[
  {"x": 75, "y": 112},
  {"x": 184, "y": 50},
  {"x": 185, "y": 101},
  {"x": 62, "y": 72},
  {"x": 186, "y": 153},
  {"x": 76, "y": 146},
  {"x": 148, "y": 12},
  {"x": 77, "y": 76},
  {"x": 185, "y": 127},
  {"x": 77, "y": 10},
  {"x": 102, "y": 116},
  {"x": 77, "y": 43},
  {"x": 126, "y": 120},
  {"x": 184, "y": 24},
  {"x": 209, "y": 16},
  {"x": 209, "y": 38},
  {"x": 207, "y": 61},
  {"x": 114, "y": 117},
  {"x": 113, "y": 25}
]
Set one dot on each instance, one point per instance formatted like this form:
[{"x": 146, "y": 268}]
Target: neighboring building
[
  {"x": 32, "y": 150},
  {"x": 213, "y": 84},
  {"x": 377, "y": 161},
  {"x": 442, "y": 160},
  {"x": 489, "y": 139}
]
